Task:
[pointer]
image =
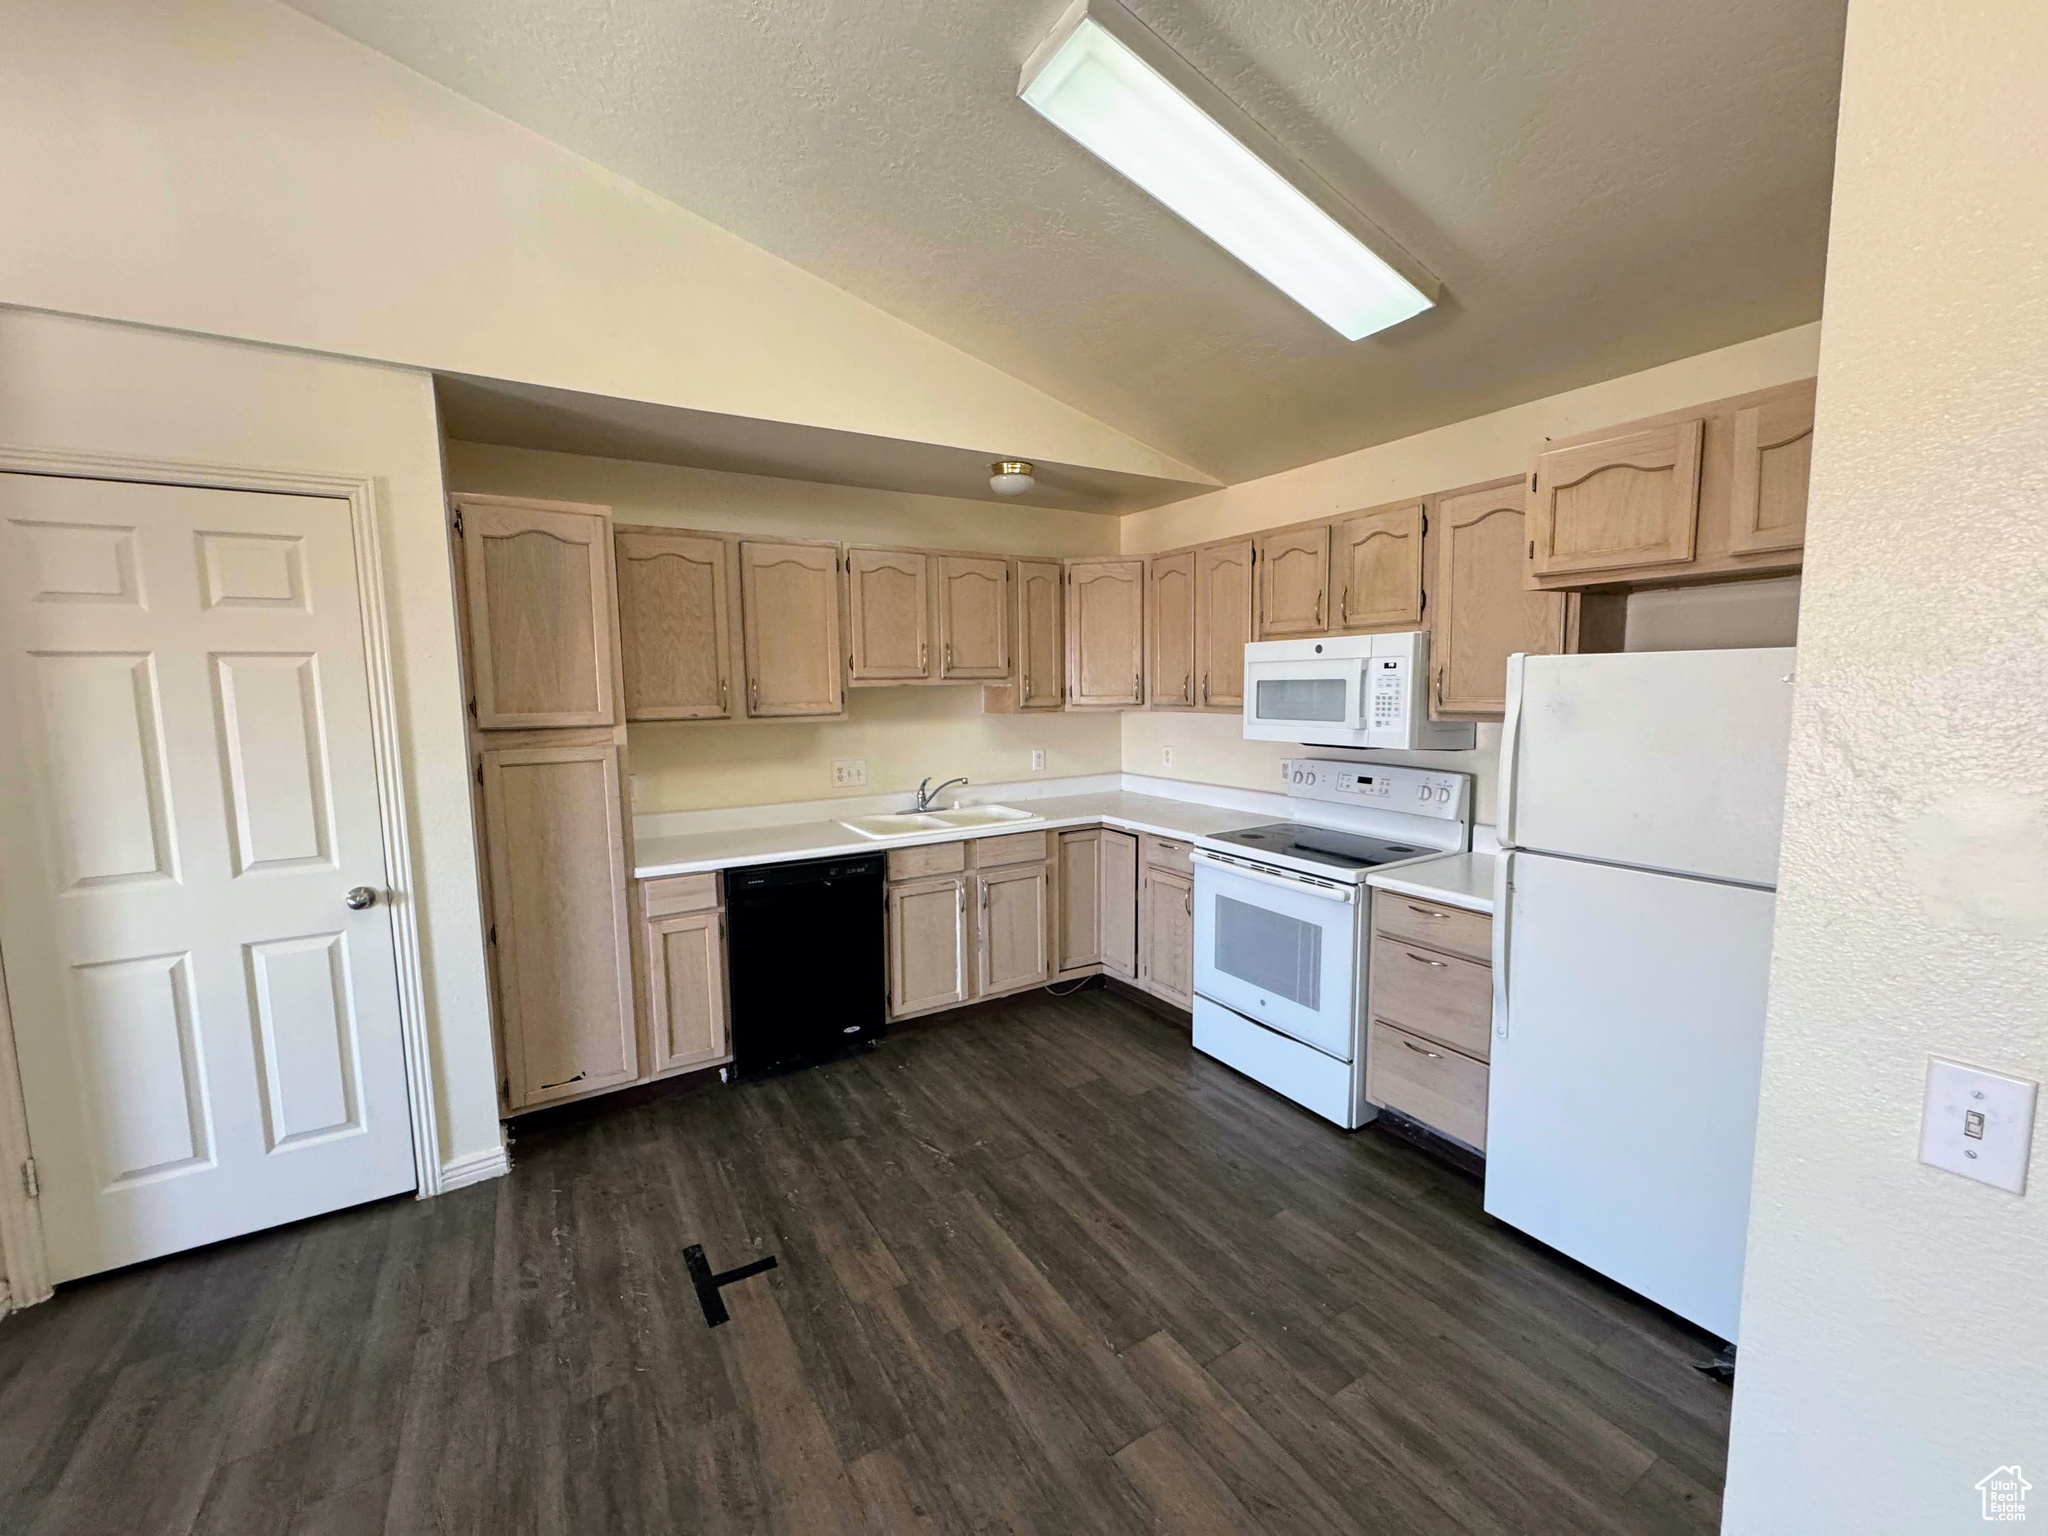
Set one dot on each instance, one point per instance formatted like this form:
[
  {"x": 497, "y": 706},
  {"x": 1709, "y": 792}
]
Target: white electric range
[{"x": 1281, "y": 923}]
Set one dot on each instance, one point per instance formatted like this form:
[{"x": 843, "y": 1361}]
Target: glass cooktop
[{"x": 1320, "y": 845}]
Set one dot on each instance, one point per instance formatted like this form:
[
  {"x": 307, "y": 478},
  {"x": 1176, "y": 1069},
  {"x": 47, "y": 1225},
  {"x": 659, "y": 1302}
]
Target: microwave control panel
[
  {"x": 1387, "y": 693},
  {"x": 1415, "y": 791}
]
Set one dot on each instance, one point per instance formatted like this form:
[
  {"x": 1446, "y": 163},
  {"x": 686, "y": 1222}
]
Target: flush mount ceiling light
[
  {"x": 1108, "y": 83},
  {"x": 1010, "y": 477}
]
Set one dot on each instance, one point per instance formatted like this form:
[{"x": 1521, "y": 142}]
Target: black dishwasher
[{"x": 806, "y": 949}]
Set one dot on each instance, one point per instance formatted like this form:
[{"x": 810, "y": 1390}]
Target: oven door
[
  {"x": 1279, "y": 948},
  {"x": 1305, "y": 700}
]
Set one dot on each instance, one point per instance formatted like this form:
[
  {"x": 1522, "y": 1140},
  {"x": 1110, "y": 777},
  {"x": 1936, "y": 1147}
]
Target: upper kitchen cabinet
[
  {"x": 1041, "y": 639},
  {"x": 1293, "y": 568},
  {"x": 1105, "y": 633},
  {"x": 537, "y": 585},
  {"x": 1625, "y": 501},
  {"x": 1483, "y": 615},
  {"x": 888, "y": 615},
  {"x": 974, "y": 617},
  {"x": 1376, "y": 561},
  {"x": 789, "y": 606},
  {"x": 1773, "y": 453},
  {"x": 1707, "y": 493},
  {"x": 1223, "y": 621},
  {"x": 675, "y": 626},
  {"x": 1170, "y": 630}
]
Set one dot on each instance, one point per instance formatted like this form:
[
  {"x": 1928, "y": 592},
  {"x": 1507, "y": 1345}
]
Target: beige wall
[
  {"x": 94, "y": 387},
  {"x": 903, "y": 733},
  {"x": 1212, "y": 749},
  {"x": 1895, "y": 1318},
  {"x": 233, "y": 168}
]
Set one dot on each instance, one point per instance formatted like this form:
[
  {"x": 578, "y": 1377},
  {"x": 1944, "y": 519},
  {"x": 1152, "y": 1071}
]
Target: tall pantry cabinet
[{"x": 547, "y": 715}]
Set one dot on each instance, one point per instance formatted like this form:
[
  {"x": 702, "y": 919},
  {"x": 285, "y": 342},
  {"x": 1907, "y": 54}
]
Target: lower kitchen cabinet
[
  {"x": 928, "y": 945},
  {"x": 1077, "y": 902},
  {"x": 686, "y": 1016},
  {"x": 1013, "y": 912},
  {"x": 1166, "y": 946},
  {"x": 1432, "y": 1014},
  {"x": 1119, "y": 917}
]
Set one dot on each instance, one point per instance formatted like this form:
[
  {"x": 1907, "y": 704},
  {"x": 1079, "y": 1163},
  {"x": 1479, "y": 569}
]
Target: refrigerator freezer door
[
  {"x": 1621, "y": 1118},
  {"x": 1671, "y": 760}
]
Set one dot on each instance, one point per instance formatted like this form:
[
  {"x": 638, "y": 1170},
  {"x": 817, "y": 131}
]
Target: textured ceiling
[{"x": 1601, "y": 185}]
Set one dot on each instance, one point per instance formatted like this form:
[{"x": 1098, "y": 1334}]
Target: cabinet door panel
[
  {"x": 887, "y": 614},
  {"x": 1294, "y": 582},
  {"x": 1120, "y": 903},
  {"x": 538, "y": 588},
  {"x": 1105, "y": 632},
  {"x": 1378, "y": 565},
  {"x": 1773, "y": 455},
  {"x": 1483, "y": 613},
  {"x": 974, "y": 627},
  {"x": 789, "y": 605},
  {"x": 1041, "y": 637},
  {"x": 556, "y": 838},
  {"x": 1077, "y": 932},
  {"x": 1170, "y": 630},
  {"x": 1223, "y": 622},
  {"x": 675, "y": 627},
  {"x": 1013, "y": 928},
  {"x": 1618, "y": 503},
  {"x": 1166, "y": 937},
  {"x": 686, "y": 1019},
  {"x": 928, "y": 950}
]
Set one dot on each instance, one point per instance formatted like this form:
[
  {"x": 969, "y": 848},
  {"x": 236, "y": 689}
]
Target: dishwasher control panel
[{"x": 1383, "y": 786}]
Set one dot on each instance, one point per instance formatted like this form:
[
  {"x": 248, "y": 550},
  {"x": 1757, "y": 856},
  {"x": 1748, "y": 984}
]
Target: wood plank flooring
[{"x": 1041, "y": 1268}]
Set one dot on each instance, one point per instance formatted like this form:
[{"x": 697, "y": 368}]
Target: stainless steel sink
[{"x": 960, "y": 818}]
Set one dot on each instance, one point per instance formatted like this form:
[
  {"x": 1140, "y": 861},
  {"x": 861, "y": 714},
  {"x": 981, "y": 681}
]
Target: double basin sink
[{"x": 962, "y": 818}]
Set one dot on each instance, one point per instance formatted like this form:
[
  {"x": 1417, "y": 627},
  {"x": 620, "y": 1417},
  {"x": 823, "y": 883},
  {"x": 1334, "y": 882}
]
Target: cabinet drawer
[
  {"x": 1168, "y": 853},
  {"x": 1011, "y": 848},
  {"x": 1437, "y": 995},
  {"x": 932, "y": 859},
  {"x": 1427, "y": 1082},
  {"x": 677, "y": 893},
  {"x": 1450, "y": 929}
]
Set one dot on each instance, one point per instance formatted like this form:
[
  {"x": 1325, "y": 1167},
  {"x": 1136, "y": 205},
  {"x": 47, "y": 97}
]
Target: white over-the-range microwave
[{"x": 1346, "y": 691}]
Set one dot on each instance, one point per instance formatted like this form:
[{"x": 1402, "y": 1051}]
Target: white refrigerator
[{"x": 1641, "y": 798}]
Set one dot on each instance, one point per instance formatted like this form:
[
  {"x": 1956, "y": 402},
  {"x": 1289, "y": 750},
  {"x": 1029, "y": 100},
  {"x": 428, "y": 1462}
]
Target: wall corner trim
[{"x": 492, "y": 1163}]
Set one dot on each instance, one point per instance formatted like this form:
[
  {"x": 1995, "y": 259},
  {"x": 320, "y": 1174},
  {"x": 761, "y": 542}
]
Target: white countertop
[
  {"x": 698, "y": 852},
  {"x": 1457, "y": 880}
]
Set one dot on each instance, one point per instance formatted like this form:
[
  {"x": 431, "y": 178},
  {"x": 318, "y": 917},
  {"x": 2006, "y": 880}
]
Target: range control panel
[{"x": 1413, "y": 791}]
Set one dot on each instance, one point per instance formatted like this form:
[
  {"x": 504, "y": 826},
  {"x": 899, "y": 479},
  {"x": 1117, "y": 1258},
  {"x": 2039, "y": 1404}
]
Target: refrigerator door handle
[
  {"x": 1503, "y": 915},
  {"x": 1510, "y": 749}
]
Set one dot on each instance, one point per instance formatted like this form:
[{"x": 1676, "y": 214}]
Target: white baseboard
[{"x": 494, "y": 1163}]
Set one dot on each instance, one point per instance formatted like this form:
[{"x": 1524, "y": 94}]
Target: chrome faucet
[{"x": 925, "y": 796}]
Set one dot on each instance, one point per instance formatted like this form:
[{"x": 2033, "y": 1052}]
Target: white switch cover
[
  {"x": 1977, "y": 1123},
  {"x": 848, "y": 771},
  {"x": 1038, "y": 759},
  {"x": 1166, "y": 757}
]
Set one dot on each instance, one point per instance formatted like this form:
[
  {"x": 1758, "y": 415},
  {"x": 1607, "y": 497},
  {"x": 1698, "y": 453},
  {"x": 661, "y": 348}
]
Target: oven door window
[{"x": 1272, "y": 951}]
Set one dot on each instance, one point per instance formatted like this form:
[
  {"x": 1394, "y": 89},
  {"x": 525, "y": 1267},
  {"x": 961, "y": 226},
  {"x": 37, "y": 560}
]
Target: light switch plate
[
  {"x": 849, "y": 771},
  {"x": 1977, "y": 1123}
]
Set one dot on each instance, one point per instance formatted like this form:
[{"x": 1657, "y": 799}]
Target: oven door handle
[{"x": 1223, "y": 864}]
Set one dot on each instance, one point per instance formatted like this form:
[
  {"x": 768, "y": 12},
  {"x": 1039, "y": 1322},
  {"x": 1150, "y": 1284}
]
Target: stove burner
[{"x": 1320, "y": 845}]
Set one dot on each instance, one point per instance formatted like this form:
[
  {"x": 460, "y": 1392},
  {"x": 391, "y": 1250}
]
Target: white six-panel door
[{"x": 209, "y": 1035}]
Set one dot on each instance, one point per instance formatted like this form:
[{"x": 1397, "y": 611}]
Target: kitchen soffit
[{"x": 1600, "y": 184}]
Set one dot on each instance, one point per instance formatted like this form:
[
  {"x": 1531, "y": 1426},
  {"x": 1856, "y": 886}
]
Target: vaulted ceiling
[{"x": 1601, "y": 185}]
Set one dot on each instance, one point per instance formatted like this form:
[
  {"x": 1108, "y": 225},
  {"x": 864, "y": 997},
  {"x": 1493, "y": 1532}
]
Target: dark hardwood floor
[{"x": 1041, "y": 1267}]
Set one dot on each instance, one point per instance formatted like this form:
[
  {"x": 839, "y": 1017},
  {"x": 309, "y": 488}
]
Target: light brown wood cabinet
[
  {"x": 789, "y": 606},
  {"x": 929, "y": 949},
  {"x": 560, "y": 941},
  {"x": 1077, "y": 897},
  {"x": 888, "y": 614},
  {"x": 1294, "y": 582},
  {"x": 537, "y": 587},
  {"x": 1624, "y": 502},
  {"x": 1482, "y": 614},
  {"x": 974, "y": 617},
  {"x": 1223, "y": 621},
  {"x": 686, "y": 997},
  {"x": 1166, "y": 946},
  {"x": 1014, "y": 913},
  {"x": 1041, "y": 636},
  {"x": 1105, "y": 633},
  {"x": 1773, "y": 451},
  {"x": 1119, "y": 904},
  {"x": 675, "y": 624},
  {"x": 1170, "y": 631},
  {"x": 1377, "y": 560},
  {"x": 1431, "y": 1002}
]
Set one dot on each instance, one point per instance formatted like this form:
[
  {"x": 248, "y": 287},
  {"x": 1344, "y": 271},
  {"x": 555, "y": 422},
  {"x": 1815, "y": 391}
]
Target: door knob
[{"x": 359, "y": 897}]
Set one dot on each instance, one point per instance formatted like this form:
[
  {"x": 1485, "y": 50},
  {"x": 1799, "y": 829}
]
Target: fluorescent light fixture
[{"x": 1124, "y": 96}]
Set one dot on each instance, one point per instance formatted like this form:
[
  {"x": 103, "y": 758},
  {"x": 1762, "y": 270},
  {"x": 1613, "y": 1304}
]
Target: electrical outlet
[
  {"x": 849, "y": 772},
  {"x": 1038, "y": 759},
  {"x": 1977, "y": 1123},
  {"x": 1166, "y": 757}
]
